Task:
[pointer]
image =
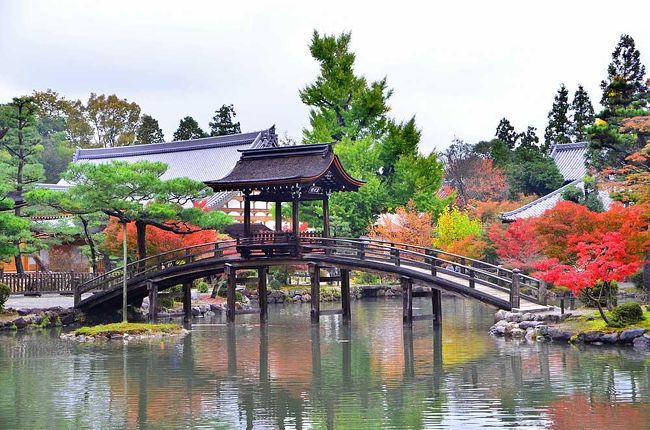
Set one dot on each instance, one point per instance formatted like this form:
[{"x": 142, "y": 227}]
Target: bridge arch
[{"x": 433, "y": 268}]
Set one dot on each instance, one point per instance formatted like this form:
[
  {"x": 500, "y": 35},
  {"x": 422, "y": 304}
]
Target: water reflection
[{"x": 371, "y": 373}]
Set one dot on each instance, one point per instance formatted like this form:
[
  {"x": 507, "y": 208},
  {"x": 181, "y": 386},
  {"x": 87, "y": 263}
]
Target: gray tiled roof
[
  {"x": 542, "y": 204},
  {"x": 204, "y": 159},
  {"x": 570, "y": 160}
]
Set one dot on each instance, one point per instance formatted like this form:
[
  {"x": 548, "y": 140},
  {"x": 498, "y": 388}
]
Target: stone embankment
[
  {"x": 549, "y": 327},
  {"x": 18, "y": 319}
]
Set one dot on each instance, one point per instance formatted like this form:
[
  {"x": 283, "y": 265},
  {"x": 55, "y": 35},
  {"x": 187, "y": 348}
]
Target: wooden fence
[{"x": 44, "y": 282}]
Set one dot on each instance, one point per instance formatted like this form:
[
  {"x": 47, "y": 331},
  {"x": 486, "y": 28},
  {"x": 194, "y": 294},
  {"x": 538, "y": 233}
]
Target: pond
[{"x": 370, "y": 374}]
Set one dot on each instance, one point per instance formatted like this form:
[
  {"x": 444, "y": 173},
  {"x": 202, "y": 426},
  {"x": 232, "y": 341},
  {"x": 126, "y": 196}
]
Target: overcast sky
[{"x": 459, "y": 66}]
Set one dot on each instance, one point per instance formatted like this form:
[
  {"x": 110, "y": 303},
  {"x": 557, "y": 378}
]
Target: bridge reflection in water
[{"x": 291, "y": 374}]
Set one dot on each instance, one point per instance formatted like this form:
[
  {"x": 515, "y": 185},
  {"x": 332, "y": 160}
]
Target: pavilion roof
[{"x": 276, "y": 173}]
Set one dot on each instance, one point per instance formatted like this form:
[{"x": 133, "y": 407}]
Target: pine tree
[
  {"x": 223, "y": 122},
  {"x": 625, "y": 83},
  {"x": 506, "y": 133},
  {"x": 528, "y": 139},
  {"x": 558, "y": 129},
  {"x": 583, "y": 114},
  {"x": 189, "y": 129},
  {"x": 20, "y": 169},
  {"x": 149, "y": 131}
]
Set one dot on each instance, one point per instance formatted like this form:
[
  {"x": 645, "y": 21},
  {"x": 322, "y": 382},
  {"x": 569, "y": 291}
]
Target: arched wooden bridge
[{"x": 439, "y": 270}]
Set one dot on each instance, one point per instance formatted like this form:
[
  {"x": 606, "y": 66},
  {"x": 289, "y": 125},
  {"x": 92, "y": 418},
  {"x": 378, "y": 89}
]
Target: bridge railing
[
  {"x": 155, "y": 263},
  {"x": 433, "y": 260}
]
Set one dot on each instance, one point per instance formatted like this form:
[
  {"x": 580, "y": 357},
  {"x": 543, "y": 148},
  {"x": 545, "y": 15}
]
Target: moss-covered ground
[
  {"x": 583, "y": 323},
  {"x": 126, "y": 328}
]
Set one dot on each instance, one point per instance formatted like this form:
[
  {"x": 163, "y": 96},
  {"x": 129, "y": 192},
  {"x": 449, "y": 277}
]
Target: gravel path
[{"x": 45, "y": 301}]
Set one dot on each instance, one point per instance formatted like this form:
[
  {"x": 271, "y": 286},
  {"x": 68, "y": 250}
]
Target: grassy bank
[
  {"x": 126, "y": 328},
  {"x": 584, "y": 323}
]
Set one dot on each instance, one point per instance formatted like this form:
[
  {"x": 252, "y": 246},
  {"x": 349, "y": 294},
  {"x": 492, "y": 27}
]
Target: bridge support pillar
[
  {"x": 407, "y": 300},
  {"x": 436, "y": 305},
  {"x": 187, "y": 305},
  {"x": 314, "y": 270},
  {"x": 231, "y": 280},
  {"x": 153, "y": 301},
  {"x": 261, "y": 293},
  {"x": 345, "y": 295}
]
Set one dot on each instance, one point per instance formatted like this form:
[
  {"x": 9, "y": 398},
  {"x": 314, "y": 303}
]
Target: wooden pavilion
[{"x": 284, "y": 174}]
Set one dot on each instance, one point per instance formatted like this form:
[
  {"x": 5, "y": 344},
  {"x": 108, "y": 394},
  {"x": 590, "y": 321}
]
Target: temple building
[{"x": 570, "y": 159}]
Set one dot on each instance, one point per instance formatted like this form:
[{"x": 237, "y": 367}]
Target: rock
[
  {"x": 542, "y": 338},
  {"x": 116, "y": 336},
  {"x": 528, "y": 324},
  {"x": 216, "y": 308},
  {"x": 204, "y": 308},
  {"x": 24, "y": 311},
  {"x": 559, "y": 335},
  {"x": 541, "y": 330},
  {"x": 67, "y": 319},
  {"x": 609, "y": 338},
  {"x": 591, "y": 336},
  {"x": 517, "y": 332},
  {"x": 629, "y": 335},
  {"x": 498, "y": 329},
  {"x": 597, "y": 343},
  {"x": 196, "y": 311},
  {"x": 527, "y": 317},
  {"x": 306, "y": 297},
  {"x": 590, "y": 318},
  {"x": 642, "y": 343},
  {"x": 194, "y": 294},
  {"x": 509, "y": 327},
  {"x": 20, "y": 322},
  {"x": 297, "y": 297},
  {"x": 381, "y": 293},
  {"x": 209, "y": 314},
  {"x": 530, "y": 333},
  {"x": 37, "y": 319}
]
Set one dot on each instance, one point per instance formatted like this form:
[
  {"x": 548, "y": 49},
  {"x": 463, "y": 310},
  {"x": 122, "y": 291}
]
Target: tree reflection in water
[{"x": 371, "y": 373}]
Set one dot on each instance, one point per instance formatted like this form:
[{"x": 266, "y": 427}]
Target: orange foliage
[
  {"x": 157, "y": 240},
  {"x": 472, "y": 246},
  {"x": 487, "y": 182},
  {"x": 489, "y": 211},
  {"x": 406, "y": 226}
]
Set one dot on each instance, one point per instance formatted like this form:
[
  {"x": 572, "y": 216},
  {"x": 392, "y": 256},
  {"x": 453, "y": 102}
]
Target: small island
[{"x": 124, "y": 331}]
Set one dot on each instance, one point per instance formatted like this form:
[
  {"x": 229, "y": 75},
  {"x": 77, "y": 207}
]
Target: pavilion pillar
[
  {"x": 231, "y": 274},
  {"x": 295, "y": 205},
  {"x": 407, "y": 300},
  {"x": 345, "y": 294},
  {"x": 247, "y": 214},
  {"x": 187, "y": 305},
  {"x": 314, "y": 270},
  {"x": 261, "y": 293},
  {"x": 326, "y": 215},
  {"x": 278, "y": 216}
]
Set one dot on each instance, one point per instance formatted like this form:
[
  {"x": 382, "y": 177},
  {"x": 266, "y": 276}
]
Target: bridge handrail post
[
  {"x": 77, "y": 294},
  {"x": 361, "y": 251},
  {"x": 499, "y": 268},
  {"x": 542, "y": 295},
  {"x": 218, "y": 252},
  {"x": 394, "y": 252},
  {"x": 462, "y": 265},
  {"x": 472, "y": 278},
  {"x": 514, "y": 290}
]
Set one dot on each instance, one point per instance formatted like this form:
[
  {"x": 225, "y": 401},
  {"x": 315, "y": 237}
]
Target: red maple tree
[{"x": 517, "y": 245}]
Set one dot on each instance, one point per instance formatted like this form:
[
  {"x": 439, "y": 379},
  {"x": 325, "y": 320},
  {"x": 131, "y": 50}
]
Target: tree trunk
[
  {"x": 91, "y": 244},
  {"x": 600, "y": 308},
  {"x": 141, "y": 232},
  {"x": 40, "y": 263}
]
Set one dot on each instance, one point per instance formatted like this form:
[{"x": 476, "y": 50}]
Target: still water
[{"x": 290, "y": 374}]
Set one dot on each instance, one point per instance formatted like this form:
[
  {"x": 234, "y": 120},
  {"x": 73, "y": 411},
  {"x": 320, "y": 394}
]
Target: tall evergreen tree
[
  {"x": 222, "y": 122},
  {"x": 625, "y": 82},
  {"x": 583, "y": 114},
  {"x": 529, "y": 139},
  {"x": 149, "y": 131},
  {"x": 342, "y": 103},
  {"x": 558, "y": 129},
  {"x": 506, "y": 133},
  {"x": 22, "y": 168},
  {"x": 189, "y": 129}
]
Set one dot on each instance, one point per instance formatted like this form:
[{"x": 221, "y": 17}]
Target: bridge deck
[{"x": 455, "y": 274}]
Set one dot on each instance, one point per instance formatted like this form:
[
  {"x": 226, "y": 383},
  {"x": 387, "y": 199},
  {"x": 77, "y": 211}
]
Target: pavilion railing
[{"x": 432, "y": 261}]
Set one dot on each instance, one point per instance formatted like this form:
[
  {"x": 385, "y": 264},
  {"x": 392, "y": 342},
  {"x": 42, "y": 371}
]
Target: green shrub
[
  {"x": 367, "y": 278},
  {"x": 275, "y": 284},
  {"x": 239, "y": 297},
  {"x": 607, "y": 292},
  {"x": 168, "y": 302},
  {"x": 202, "y": 286},
  {"x": 5, "y": 291},
  {"x": 626, "y": 314}
]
